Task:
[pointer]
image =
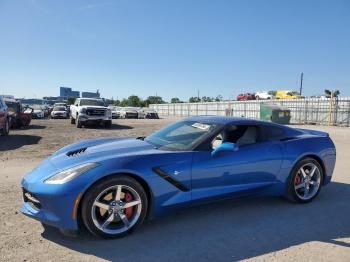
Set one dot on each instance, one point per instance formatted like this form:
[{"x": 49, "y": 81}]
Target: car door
[{"x": 248, "y": 170}]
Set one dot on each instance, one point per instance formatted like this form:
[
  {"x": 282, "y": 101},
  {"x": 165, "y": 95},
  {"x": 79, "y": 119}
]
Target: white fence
[{"x": 303, "y": 111}]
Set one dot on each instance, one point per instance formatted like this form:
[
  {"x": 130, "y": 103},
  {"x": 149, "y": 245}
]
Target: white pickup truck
[{"x": 90, "y": 110}]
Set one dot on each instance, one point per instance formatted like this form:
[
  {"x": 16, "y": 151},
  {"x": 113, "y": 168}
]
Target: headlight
[
  {"x": 83, "y": 110},
  {"x": 109, "y": 112},
  {"x": 69, "y": 174}
]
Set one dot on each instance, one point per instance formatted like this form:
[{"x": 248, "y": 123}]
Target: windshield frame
[
  {"x": 217, "y": 128},
  {"x": 83, "y": 102}
]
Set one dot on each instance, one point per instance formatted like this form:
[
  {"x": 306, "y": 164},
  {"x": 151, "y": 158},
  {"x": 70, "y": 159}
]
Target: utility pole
[
  {"x": 301, "y": 83},
  {"x": 198, "y": 94}
]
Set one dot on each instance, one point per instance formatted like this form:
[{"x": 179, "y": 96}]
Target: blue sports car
[{"x": 111, "y": 185}]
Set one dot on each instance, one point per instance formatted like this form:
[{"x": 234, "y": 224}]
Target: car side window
[{"x": 275, "y": 133}]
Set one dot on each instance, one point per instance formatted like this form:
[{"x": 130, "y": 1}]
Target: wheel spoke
[
  {"x": 132, "y": 203},
  {"x": 118, "y": 193},
  {"x": 313, "y": 171},
  {"x": 301, "y": 185},
  {"x": 101, "y": 205},
  {"x": 124, "y": 219},
  {"x": 306, "y": 191},
  {"x": 108, "y": 220},
  {"x": 303, "y": 172}
]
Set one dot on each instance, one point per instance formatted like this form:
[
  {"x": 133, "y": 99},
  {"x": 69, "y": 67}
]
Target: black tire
[
  {"x": 291, "y": 192},
  {"x": 97, "y": 189},
  {"x": 72, "y": 120},
  {"x": 6, "y": 128},
  {"x": 108, "y": 124},
  {"x": 77, "y": 122}
]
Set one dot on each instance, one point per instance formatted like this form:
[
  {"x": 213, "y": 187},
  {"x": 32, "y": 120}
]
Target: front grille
[
  {"x": 152, "y": 115},
  {"x": 95, "y": 112},
  {"x": 131, "y": 115},
  {"x": 31, "y": 199},
  {"x": 76, "y": 152}
]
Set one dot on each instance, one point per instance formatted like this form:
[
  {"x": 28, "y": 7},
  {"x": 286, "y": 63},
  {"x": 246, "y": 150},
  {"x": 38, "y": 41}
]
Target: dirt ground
[{"x": 256, "y": 229}]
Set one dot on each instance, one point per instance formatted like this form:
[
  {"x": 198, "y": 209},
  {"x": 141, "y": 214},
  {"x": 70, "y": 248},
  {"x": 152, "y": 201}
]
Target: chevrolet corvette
[{"x": 111, "y": 185}]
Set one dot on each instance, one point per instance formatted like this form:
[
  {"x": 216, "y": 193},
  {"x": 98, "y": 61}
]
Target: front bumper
[
  {"x": 55, "y": 207},
  {"x": 85, "y": 118}
]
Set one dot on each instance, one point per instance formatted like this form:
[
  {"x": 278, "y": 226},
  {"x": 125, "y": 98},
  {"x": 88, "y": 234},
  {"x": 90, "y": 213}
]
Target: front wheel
[
  {"x": 72, "y": 120},
  {"x": 6, "y": 128},
  {"x": 305, "y": 181},
  {"x": 114, "y": 207}
]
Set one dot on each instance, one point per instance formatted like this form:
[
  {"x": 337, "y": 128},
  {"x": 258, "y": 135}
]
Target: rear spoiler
[{"x": 313, "y": 132}]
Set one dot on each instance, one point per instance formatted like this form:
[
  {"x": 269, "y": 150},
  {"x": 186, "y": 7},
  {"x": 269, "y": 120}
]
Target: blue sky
[{"x": 173, "y": 47}]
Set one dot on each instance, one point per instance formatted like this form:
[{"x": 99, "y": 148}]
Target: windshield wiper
[{"x": 141, "y": 137}]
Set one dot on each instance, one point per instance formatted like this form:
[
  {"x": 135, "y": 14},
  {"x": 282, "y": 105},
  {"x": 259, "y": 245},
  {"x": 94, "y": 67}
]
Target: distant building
[
  {"x": 68, "y": 92},
  {"x": 90, "y": 94}
]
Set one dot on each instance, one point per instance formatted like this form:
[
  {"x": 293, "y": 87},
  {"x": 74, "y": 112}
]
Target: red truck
[
  {"x": 246, "y": 96},
  {"x": 18, "y": 116}
]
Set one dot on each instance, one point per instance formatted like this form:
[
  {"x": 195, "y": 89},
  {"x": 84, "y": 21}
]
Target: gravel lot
[{"x": 259, "y": 229}]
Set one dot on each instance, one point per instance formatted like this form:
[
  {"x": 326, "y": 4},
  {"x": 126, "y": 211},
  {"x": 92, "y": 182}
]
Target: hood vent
[{"x": 76, "y": 152}]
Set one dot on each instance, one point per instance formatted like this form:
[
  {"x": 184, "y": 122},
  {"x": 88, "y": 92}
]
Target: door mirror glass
[{"x": 225, "y": 147}]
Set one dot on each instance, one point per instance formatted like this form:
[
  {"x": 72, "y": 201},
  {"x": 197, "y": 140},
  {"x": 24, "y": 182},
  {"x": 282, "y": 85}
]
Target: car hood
[
  {"x": 93, "y": 107},
  {"x": 96, "y": 150}
]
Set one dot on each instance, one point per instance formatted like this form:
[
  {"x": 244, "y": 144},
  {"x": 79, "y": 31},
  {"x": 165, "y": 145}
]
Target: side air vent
[{"x": 76, "y": 152}]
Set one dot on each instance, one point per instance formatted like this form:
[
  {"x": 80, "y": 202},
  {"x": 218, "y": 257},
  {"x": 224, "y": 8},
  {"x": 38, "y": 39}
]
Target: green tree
[
  {"x": 134, "y": 101},
  {"x": 175, "y": 100},
  {"x": 71, "y": 100},
  {"x": 331, "y": 93},
  {"x": 194, "y": 99},
  {"x": 219, "y": 98},
  {"x": 154, "y": 100}
]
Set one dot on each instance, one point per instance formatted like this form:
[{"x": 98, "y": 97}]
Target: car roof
[{"x": 230, "y": 120}]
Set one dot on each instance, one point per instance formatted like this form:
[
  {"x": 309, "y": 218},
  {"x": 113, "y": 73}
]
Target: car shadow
[
  {"x": 225, "y": 231},
  {"x": 35, "y": 127},
  {"x": 113, "y": 127},
  {"x": 13, "y": 141}
]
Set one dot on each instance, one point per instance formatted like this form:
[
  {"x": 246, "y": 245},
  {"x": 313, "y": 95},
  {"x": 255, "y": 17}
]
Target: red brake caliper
[
  {"x": 297, "y": 180},
  {"x": 128, "y": 211}
]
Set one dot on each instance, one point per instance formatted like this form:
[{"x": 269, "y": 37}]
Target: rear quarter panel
[{"x": 319, "y": 147}]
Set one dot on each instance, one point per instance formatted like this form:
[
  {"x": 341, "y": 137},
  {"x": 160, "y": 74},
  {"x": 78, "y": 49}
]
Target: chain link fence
[{"x": 319, "y": 111}]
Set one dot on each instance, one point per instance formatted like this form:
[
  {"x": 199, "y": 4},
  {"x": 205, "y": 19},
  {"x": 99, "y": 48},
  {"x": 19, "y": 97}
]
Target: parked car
[
  {"x": 90, "y": 110},
  {"x": 4, "y": 118},
  {"x": 38, "y": 112},
  {"x": 149, "y": 113},
  {"x": 111, "y": 184},
  {"x": 246, "y": 96},
  {"x": 59, "y": 112},
  {"x": 115, "y": 111},
  {"x": 264, "y": 95},
  {"x": 128, "y": 112},
  {"x": 286, "y": 94},
  {"x": 19, "y": 116}
]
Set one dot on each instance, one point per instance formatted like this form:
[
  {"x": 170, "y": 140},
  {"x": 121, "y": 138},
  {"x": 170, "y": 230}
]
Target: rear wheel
[
  {"x": 305, "y": 181},
  {"x": 114, "y": 207}
]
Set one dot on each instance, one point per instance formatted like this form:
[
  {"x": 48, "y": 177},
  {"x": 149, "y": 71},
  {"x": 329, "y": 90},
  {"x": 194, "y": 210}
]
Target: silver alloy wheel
[
  {"x": 307, "y": 181},
  {"x": 109, "y": 209}
]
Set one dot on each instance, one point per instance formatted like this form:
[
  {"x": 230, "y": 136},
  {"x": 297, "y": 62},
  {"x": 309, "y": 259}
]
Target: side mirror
[{"x": 225, "y": 147}]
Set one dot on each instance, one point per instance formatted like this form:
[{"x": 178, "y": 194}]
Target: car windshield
[
  {"x": 91, "y": 102},
  {"x": 182, "y": 135},
  {"x": 59, "y": 108},
  {"x": 13, "y": 107}
]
